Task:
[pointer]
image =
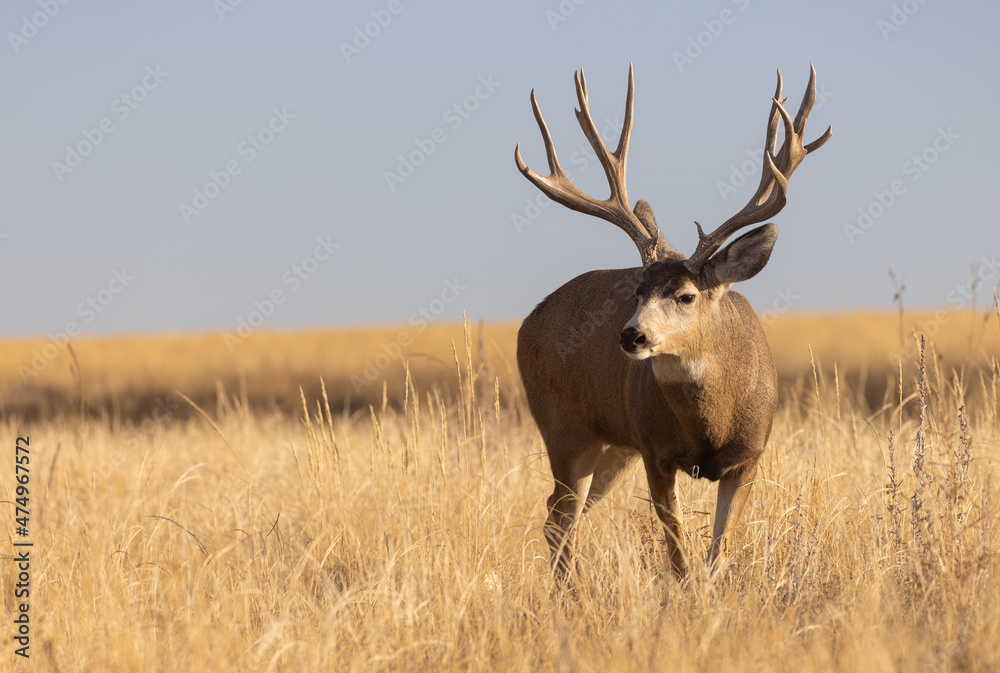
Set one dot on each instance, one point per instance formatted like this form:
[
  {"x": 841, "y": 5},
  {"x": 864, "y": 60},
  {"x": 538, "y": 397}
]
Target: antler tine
[
  {"x": 615, "y": 208},
  {"x": 623, "y": 141},
  {"x": 590, "y": 129},
  {"x": 770, "y": 143},
  {"x": 808, "y": 100},
  {"x": 771, "y": 139},
  {"x": 805, "y": 108},
  {"x": 777, "y": 168},
  {"x": 550, "y": 150}
]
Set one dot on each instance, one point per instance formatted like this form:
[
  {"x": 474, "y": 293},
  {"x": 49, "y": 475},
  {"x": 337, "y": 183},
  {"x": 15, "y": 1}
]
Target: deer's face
[
  {"x": 676, "y": 307},
  {"x": 671, "y": 303}
]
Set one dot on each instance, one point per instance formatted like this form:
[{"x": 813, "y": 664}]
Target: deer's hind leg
[
  {"x": 573, "y": 455},
  {"x": 612, "y": 465}
]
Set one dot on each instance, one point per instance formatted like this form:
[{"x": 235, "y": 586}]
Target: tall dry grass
[
  {"x": 130, "y": 377},
  {"x": 409, "y": 537}
]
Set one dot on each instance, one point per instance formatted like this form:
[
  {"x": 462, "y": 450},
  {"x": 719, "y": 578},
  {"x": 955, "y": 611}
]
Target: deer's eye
[{"x": 686, "y": 298}]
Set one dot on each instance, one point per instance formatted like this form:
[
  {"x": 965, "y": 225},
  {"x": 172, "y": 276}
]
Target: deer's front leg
[
  {"x": 663, "y": 493},
  {"x": 734, "y": 488}
]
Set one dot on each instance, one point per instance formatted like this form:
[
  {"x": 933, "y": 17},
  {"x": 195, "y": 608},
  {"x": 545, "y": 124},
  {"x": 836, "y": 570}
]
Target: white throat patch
[{"x": 673, "y": 369}]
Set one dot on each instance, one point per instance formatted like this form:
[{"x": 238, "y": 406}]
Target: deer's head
[{"x": 680, "y": 298}]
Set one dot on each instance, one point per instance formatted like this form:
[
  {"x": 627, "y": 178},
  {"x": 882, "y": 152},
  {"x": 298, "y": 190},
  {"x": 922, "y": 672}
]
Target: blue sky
[{"x": 186, "y": 166}]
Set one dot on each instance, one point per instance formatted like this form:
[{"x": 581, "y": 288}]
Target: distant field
[
  {"x": 132, "y": 377},
  {"x": 408, "y": 537}
]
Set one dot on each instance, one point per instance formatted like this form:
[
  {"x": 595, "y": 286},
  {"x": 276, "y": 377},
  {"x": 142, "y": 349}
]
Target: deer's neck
[{"x": 709, "y": 386}]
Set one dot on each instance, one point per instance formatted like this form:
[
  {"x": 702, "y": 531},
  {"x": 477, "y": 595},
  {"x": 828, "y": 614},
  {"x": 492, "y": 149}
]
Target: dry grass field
[{"x": 393, "y": 522}]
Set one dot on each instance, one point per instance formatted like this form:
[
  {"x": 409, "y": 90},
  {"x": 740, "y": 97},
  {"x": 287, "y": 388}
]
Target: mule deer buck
[{"x": 676, "y": 368}]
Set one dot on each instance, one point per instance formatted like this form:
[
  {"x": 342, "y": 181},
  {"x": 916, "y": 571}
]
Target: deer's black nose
[{"x": 631, "y": 339}]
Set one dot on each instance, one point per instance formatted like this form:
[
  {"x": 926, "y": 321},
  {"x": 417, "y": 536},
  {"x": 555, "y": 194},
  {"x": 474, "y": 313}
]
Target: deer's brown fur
[{"x": 664, "y": 362}]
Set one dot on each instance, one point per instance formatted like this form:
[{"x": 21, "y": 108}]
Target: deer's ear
[{"x": 745, "y": 257}]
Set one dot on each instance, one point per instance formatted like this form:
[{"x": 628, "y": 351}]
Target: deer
[{"x": 666, "y": 362}]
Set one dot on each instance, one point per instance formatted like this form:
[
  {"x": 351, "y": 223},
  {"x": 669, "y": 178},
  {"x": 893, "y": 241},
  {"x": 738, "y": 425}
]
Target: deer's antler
[
  {"x": 777, "y": 168},
  {"x": 615, "y": 209}
]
